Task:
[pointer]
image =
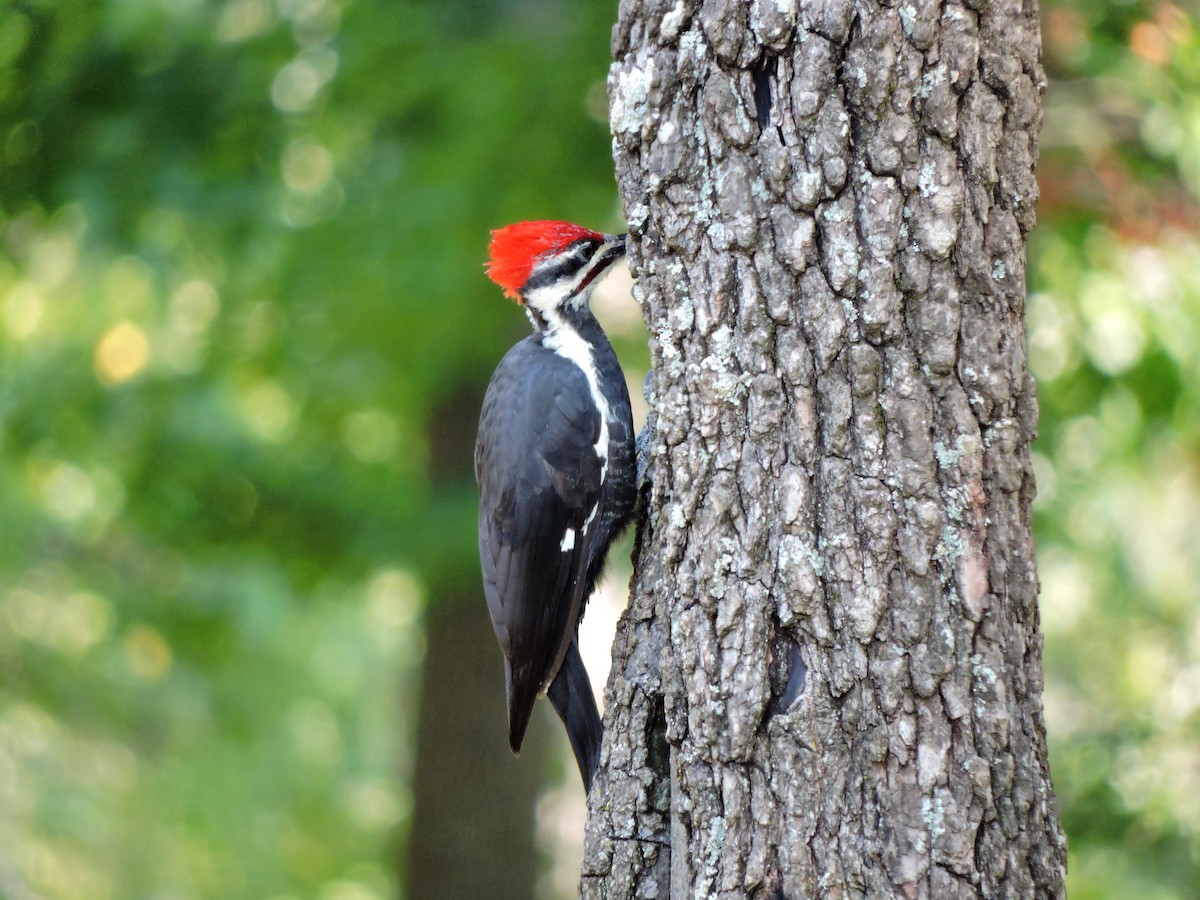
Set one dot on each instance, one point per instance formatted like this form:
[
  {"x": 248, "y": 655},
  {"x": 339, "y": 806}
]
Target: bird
[{"x": 556, "y": 471}]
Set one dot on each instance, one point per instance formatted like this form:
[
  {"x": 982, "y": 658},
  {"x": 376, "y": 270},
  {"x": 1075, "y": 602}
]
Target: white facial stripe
[{"x": 547, "y": 298}]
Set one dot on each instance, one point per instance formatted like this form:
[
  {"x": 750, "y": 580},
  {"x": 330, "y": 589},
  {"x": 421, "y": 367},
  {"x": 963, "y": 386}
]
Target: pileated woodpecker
[{"x": 555, "y": 465}]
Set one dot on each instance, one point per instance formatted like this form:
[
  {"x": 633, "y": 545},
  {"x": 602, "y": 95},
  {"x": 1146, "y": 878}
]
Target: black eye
[{"x": 566, "y": 263}]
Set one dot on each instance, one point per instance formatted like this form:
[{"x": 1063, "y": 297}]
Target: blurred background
[{"x": 244, "y": 332}]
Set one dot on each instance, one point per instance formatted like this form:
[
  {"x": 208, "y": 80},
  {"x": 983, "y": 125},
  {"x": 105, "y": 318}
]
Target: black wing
[{"x": 539, "y": 477}]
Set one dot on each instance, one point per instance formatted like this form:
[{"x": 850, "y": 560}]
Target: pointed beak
[
  {"x": 602, "y": 260},
  {"x": 614, "y": 246},
  {"x": 610, "y": 251}
]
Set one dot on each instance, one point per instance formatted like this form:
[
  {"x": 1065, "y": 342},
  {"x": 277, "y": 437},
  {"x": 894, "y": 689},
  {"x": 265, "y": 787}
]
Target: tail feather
[
  {"x": 571, "y": 695},
  {"x": 521, "y": 696}
]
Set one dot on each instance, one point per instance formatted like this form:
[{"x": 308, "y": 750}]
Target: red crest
[{"x": 516, "y": 248}]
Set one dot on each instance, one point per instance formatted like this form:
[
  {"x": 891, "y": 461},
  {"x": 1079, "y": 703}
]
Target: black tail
[{"x": 571, "y": 694}]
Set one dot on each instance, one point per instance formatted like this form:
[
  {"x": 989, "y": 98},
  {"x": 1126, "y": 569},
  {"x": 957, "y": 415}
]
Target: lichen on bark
[{"x": 828, "y": 681}]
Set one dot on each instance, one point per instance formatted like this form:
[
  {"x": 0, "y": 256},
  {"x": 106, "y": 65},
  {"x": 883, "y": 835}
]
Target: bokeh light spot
[
  {"x": 242, "y": 19},
  {"x": 25, "y": 613},
  {"x": 53, "y": 260},
  {"x": 348, "y": 890},
  {"x": 269, "y": 411},
  {"x": 296, "y": 84},
  {"x": 23, "y": 309},
  {"x": 68, "y": 493},
  {"x": 295, "y": 87},
  {"x": 372, "y": 805},
  {"x": 121, "y": 353},
  {"x": 194, "y": 306},
  {"x": 1067, "y": 595},
  {"x": 371, "y": 435},
  {"x": 82, "y": 621},
  {"x": 394, "y": 600},
  {"x": 147, "y": 653},
  {"x": 306, "y": 166},
  {"x": 1051, "y": 342},
  {"x": 1115, "y": 340},
  {"x": 1150, "y": 43}
]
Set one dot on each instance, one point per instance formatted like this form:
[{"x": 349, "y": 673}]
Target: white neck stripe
[{"x": 564, "y": 340}]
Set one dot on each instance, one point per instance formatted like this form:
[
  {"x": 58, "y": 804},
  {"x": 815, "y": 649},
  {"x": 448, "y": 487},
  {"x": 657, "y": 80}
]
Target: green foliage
[
  {"x": 242, "y": 274},
  {"x": 1114, "y": 319}
]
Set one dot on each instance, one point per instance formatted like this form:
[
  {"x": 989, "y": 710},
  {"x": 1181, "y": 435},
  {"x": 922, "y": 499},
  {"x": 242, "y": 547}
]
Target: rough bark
[{"x": 828, "y": 681}]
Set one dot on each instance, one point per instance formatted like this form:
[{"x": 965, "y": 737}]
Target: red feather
[{"x": 516, "y": 248}]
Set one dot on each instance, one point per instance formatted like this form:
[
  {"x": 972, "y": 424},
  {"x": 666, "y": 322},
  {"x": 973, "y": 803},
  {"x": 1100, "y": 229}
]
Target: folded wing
[{"x": 538, "y": 515}]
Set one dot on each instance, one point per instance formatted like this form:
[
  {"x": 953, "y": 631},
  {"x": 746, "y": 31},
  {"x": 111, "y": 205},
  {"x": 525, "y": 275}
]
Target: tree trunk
[{"x": 828, "y": 682}]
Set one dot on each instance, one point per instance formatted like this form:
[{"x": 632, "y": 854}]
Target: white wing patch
[
  {"x": 568, "y": 541},
  {"x": 592, "y": 515}
]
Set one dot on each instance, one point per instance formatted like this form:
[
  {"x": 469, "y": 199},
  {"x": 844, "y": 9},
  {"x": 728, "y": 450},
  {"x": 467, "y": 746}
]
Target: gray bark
[{"x": 828, "y": 681}]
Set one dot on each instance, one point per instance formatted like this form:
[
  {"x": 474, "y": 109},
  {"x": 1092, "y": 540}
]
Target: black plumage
[{"x": 550, "y": 505}]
